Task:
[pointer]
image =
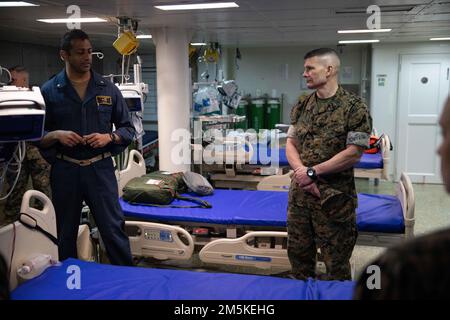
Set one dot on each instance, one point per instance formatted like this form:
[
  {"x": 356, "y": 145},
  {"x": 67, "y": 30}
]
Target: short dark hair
[
  {"x": 319, "y": 52},
  {"x": 18, "y": 68},
  {"x": 66, "y": 41}
]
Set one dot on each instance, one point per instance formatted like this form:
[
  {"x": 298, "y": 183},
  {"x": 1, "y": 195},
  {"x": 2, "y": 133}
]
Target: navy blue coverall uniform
[{"x": 96, "y": 183}]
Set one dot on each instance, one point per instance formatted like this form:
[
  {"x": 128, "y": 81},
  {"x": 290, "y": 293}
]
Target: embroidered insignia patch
[{"x": 104, "y": 100}]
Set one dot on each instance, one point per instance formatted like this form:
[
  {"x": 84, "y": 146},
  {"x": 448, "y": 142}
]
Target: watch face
[{"x": 310, "y": 173}]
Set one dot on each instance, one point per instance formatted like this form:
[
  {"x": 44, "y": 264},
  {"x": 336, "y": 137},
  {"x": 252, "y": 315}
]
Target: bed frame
[
  {"x": 239, "y": 176},
  {"x": 404, "y": 191},
  {"x": 267, "y": 249},
  {"x": 380, "y": 173},
  {"x": 237, "y": 245},
  {"x": 19, "y": 243}
]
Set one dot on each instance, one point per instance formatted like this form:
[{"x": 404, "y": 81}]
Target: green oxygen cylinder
[
  {"x": 273, "y": 113},
  {"x": 257, "y": 114},
  {"x": 241, "y": 110}
]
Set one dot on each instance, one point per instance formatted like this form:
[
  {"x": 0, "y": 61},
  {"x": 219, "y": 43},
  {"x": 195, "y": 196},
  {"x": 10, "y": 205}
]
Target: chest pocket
[{"x": 104, "y": 117}]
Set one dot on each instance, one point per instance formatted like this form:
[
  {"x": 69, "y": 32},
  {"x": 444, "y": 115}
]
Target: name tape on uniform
[{"x": 104, "y": 100}]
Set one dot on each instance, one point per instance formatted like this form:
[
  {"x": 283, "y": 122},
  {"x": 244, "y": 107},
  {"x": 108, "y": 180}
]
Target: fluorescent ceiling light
[
  {"x": 17, "y": 4},
  {"x": 364, "y": 31},
  {"x": 198, "y": 44},
  {"x": 196, "y": 6},
  {"x": 66, "y": 20},
  {"x": 144, "y": 36},
  {"x": 358, "y": 41},
  {"x": 439, "y": 39}
]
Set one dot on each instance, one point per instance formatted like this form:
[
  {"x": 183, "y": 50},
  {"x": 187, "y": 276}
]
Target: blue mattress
[
  {"x": 377, "y": 213},
  {"x": 262, "y": 157},
  {"x": 370, "y": 161},
  {"x": 107, "y": 282}
]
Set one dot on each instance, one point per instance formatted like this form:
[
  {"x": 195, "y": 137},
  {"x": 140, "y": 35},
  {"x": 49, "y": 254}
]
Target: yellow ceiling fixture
[
  {"x": 126, "y": 43},
  {"x": 212, "y": 53}
]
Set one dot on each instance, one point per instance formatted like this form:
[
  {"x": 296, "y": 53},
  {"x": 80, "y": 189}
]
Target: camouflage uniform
[
  {"x": 35, "y": 166},
  {"x": 324, "y": 129}
]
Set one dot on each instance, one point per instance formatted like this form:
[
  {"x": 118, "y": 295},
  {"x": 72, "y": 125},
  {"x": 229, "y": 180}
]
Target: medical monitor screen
[
  {"x": 134, "y": 104},
  {"x": 17, "y": 128}
]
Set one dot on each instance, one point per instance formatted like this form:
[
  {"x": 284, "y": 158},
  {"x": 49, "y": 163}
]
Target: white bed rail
[
  {"x": 405, "y": 193},
  {"x": 385, "y": 152},
  {"x": 135, "y": 168},
  {"x": 380, "y": 173},
  {"x": 159, "y": 241},
  {"x": 18, "y": 243},
  {"x": 253, "y": 249},
  {"x": 85, "y": 247},
  {"x": 276, "y": 182}
]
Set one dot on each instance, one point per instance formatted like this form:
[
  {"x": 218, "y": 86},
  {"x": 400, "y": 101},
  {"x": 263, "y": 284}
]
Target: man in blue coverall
[{"x": 81, "y": 108}]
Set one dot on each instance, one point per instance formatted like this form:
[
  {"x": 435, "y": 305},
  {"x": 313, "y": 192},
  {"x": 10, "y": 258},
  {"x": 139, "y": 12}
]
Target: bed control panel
[{"x": 159, "y": 241}]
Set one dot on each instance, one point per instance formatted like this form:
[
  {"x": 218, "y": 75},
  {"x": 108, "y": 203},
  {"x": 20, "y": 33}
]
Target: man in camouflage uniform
[
  {"x": 419, "y": 268},
  {"x": 329, "y": 131},
  {"x": 33, "y": 164}
]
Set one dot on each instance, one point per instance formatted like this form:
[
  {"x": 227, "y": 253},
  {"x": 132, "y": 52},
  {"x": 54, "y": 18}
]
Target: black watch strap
[{"x": 311, "y": 173}]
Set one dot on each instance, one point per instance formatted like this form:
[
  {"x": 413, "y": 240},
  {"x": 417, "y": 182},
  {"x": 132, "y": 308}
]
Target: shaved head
[
  {"x": 325, "y": 56},
  {"x": 331, "y": 60},
  {"x": 321, "y": 68}
]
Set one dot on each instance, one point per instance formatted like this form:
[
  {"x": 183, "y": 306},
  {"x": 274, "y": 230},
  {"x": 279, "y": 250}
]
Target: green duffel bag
[
  {"x": 178, "y": 176},
  {"x": 159, "y": 189}
]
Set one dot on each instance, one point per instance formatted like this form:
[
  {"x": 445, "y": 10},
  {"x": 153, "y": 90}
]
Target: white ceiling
[{"x": 254, "y": 23}]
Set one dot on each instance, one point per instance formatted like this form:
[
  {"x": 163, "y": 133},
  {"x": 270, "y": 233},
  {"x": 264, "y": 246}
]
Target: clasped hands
[
  {"x": 95, "y": 140},
  {"x": 305, "y": 182}
]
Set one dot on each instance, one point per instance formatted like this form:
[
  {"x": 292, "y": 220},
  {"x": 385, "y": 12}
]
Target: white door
[{"x": 423, "y": 89}]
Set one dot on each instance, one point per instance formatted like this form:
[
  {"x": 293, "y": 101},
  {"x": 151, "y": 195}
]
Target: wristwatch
[{"x": 311, "y": 173}]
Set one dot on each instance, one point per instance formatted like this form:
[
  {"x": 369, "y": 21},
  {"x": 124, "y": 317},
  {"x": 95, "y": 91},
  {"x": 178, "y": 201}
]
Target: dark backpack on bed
[{"x": 159, "y": 189}]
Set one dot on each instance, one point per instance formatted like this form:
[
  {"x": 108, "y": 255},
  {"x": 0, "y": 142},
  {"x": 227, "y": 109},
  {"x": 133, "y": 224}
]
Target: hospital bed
[
  {"x": 260, "y": 162},
  {"x": 77, "y": 279},
  {"x": 107, "y": 282},
  {"x": 252, "y": 231},
  {"x": 248, "y": 175}
]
